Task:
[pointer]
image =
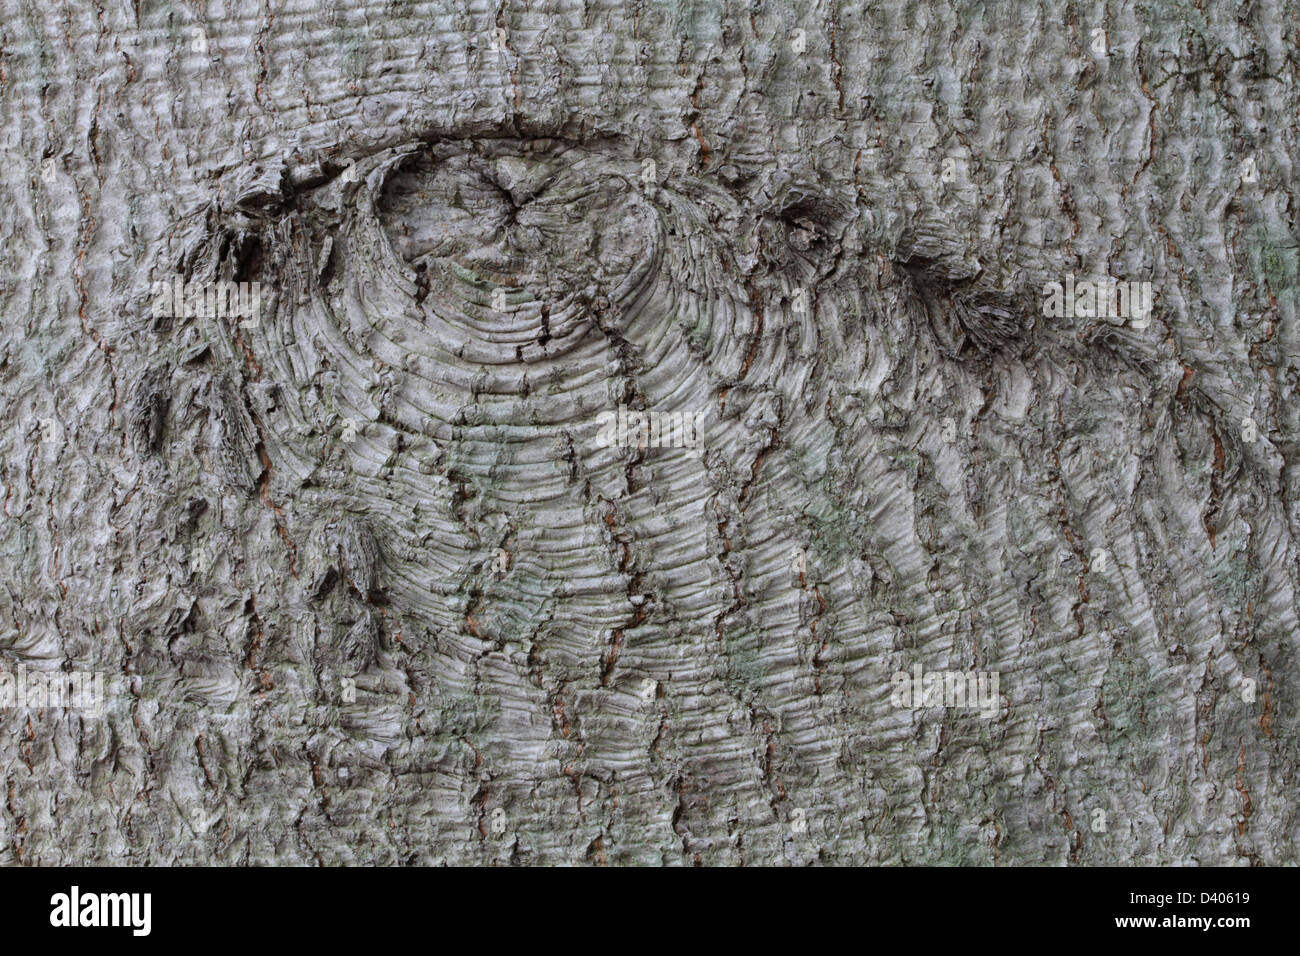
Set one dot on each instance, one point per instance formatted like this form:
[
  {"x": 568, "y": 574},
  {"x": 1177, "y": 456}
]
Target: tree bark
[{"x": 365, "y": 583}]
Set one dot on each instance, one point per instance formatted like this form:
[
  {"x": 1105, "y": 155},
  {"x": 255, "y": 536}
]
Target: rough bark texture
[{"x": 564, "y": 652}]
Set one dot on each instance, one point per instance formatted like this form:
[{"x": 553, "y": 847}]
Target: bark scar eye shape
[
  {"x": 806, "y": 230},
  {"x": 513, "y": 245},
  {"x": 472, "y": 300},
  {"x": 806, "y": 225},
  {"x": 497, "y": 286},
  {"x": 452, "y": 207}
]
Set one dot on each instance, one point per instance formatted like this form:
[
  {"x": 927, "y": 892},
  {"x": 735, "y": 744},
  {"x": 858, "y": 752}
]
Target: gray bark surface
[{"x": 564, "y": 653}]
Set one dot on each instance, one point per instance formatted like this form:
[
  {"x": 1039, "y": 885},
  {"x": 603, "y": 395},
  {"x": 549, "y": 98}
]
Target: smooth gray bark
[{"x": 825, "y": 227}]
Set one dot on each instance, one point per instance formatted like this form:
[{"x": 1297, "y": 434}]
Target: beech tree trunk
[{"x": 363, "y": 583}]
